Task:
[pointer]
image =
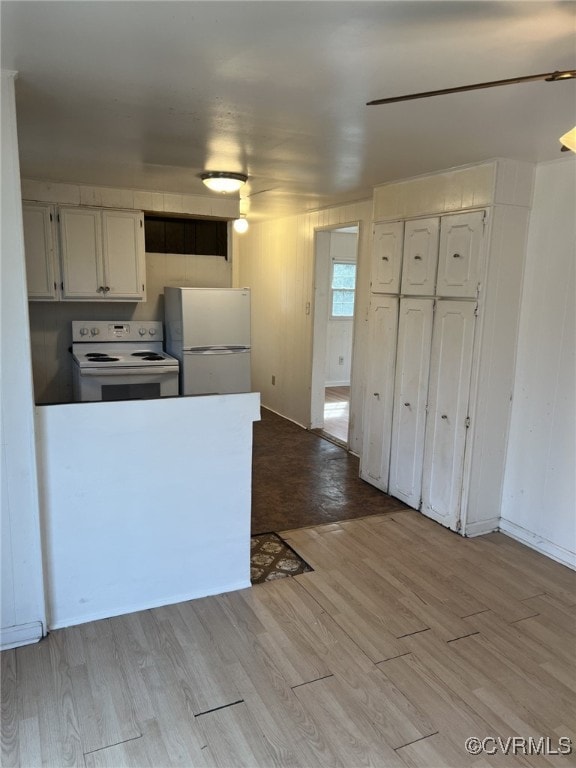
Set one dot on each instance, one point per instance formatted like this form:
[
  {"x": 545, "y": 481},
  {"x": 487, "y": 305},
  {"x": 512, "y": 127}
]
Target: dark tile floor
[{"x": 300, "y": 479}]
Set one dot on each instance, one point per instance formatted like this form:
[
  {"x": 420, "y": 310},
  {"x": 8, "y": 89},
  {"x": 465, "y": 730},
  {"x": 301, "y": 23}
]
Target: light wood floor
[
  {"x": 406, "y": 640},
  {"x": 337, "y": 412}
]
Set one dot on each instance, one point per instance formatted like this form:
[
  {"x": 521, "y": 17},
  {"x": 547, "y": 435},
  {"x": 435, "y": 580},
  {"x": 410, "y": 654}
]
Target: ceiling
[{"x": 147, "y": 95}]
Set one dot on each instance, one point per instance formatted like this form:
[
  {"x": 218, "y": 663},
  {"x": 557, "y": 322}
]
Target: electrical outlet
[{"x": 273, "y": 381}]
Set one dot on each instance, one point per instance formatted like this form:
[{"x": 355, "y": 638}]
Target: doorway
[{"x": 335, "y": 261}]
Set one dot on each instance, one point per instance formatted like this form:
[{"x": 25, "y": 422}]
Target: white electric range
[{"x": 122, "y": 360}]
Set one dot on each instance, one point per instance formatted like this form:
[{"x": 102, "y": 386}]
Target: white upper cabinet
[
  {"x": 420, "y": 260},
  {"x": 123, "y": 254},
  {"x": 81, "y": 244},
  {"x": 460, "y": 257},
  {"x": 386, "y": 257},
  {"x": 102, "y": 254},
  {"x": 42, "y": 273}
]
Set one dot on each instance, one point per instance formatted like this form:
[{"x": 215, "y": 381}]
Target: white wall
[
  {"x": 276, "y": 260},
  {"x": 50, "y": 322},
  {"x": 539, "y": 498},
  {"x": 22, "y": 600}
]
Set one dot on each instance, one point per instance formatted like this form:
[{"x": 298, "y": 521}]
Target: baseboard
[
  {"x": 20, "y": 634},
  {"x": 337, "y": 383},
  {"x": 282, "y": 416},
  {"x": 72, "y": 621},
  {"x": 481, "y": 527},
  {"x": 539, "y": 543}
]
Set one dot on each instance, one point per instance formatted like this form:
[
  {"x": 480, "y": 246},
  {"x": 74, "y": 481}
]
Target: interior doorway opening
[{"x": 336, "y": 256}]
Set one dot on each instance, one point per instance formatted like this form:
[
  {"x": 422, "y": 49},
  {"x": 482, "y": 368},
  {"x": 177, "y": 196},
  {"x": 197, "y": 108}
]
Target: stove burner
[
  {"x": 148, "y": 355},
  {"x": 101, "y": 358},
  {"x": 97, "y": 354}
]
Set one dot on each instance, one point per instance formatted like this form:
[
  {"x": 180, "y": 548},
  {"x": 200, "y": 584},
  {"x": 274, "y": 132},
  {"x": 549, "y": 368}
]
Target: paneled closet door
[
  {"x": 382, "y": 331},
  {"x": 420, "y": 260},
  {"x": 386, "y": 257},
  {"x": 410, "y": 393},
  {"x": 460, "y": 257},
  {"x": 446, "y": 425}
]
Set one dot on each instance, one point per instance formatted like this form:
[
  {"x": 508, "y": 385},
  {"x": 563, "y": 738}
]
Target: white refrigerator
[{"x": 208, "y": 330}]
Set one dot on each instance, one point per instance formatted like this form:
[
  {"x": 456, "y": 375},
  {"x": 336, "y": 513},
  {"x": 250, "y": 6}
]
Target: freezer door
[
  {"x": 215, "y": 373},
  {"x": 215, "y": 317}
]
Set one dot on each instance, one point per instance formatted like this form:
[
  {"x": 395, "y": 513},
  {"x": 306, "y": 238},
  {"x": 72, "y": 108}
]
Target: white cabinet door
[
  {"x": 382, "y": 331},
  {"x": 42, "y": 274},
  {"x": 446, "y": 425},
  {"x": 460, "y": 257},
  {"x": 386, "y": 257},
  {"x": 123, "y": 254},
  {"x": 103, "y": 254},
  {"x": 81, "y": 243},
  {"x": 420, "y": 260},
  {"x": 410, "y": 393}
]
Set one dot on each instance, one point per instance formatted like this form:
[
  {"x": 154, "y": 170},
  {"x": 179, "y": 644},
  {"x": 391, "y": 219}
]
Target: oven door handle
[{"x": 129, "y": 371}]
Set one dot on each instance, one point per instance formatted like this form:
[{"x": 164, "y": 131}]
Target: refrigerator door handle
[{"x": 216, "y": 350}]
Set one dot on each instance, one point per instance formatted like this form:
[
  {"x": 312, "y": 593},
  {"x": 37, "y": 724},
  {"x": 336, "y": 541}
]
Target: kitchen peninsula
[{"x": 143, "y": 502}]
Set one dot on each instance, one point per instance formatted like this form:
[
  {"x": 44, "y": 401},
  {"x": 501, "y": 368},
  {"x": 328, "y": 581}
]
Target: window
[
  {"x": 343, "y": 286},
  {"x": 170, "y": 234}
]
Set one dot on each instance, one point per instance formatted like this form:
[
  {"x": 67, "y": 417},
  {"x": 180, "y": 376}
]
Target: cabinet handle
[
  {"x": 407, "y": 405},
  {"x": 106, "y": 289},
  {"x": 377, "y": 394},
  {"x": 418, "y": 257},
  {"x": 456, "y": 256},
  {"x": 384, "y": 258},
  {"x": 444, "y": 416},
  {"x": 100, "y": 289}
]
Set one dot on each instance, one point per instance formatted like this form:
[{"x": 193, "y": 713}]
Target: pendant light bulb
[{"x": 241, "y": 225}]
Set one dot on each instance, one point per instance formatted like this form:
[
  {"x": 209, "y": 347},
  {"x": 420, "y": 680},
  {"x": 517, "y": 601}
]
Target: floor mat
[{"x": 271, "y": 558}]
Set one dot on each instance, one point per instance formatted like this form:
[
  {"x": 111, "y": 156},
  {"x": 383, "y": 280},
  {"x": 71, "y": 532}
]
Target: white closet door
[
  {"x": 446, "y": 425},
  {"x": 410, "y": 392},
  {"x": 387, "y": 257},
  {"x": 460, "y": 257},
  {"x": 382, "y": 331},
  {"x": 420, "y": 260}
]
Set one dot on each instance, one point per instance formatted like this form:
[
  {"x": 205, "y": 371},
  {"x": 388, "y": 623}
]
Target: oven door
[{"x": 92, "y": 384}]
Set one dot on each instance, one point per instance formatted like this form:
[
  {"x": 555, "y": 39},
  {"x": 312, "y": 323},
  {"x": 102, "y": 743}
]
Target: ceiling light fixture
[
  {"x": 241, "y": 225},
  {"x": 568, "y": 141},
  {"x": 223, "y": 181}
]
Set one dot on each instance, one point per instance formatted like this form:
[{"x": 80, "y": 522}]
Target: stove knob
[
  {"x": 94, "y": 331},
  {"x": 84, "y": 331},
  {"x": 152, "y": 331},
  {"x": 142, "y": 331}
]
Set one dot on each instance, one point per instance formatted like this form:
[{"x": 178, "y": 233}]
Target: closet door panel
[
  {"x": 460, "y": 257},
  {"x": 410, "y": 394},
  {"x": 382, "y": 331},
  {"x": 446, "y": 426},
  {"x": 420, "y": 259},
  {"x": 386, "y": 257}
]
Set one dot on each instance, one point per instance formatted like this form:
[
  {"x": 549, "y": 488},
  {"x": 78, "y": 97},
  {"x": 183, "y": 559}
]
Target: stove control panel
[{"x": 104, "y": 330}]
